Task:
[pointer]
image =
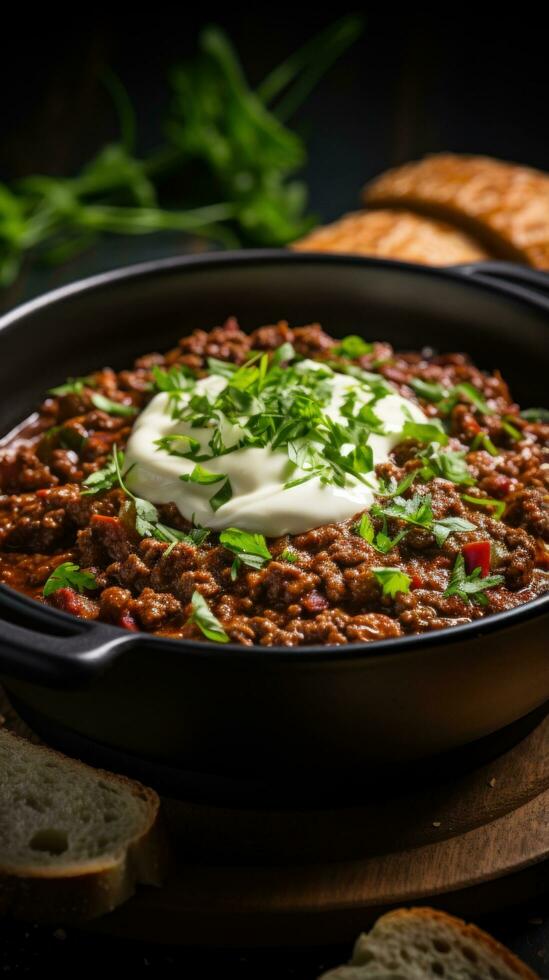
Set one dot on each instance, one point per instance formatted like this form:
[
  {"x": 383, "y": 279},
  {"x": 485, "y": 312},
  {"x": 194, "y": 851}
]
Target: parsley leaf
[
  {"x": 393, "y": 489},
  {"x": 379, "y": 540},
  {"x": 284, "y": 354},
  {"x": 202, "y": 476},
  {"x": 105, "y": 478},
  {"x": 112, "y": 408},
  {"x": 498, "y": 506},
  {"x": 482, "y": 440},
  {"x": 72, "y": 386},
  {"x": 424, "y": 432},
  {"x": 449, "y": 465},
  {"x": 392, "y": 580},
  {"x": 288, "y": 555},
  {"x": 222, "y": 496},
  {"x": 353, "y": 347},
  {"x": 450, "y": 525},
  {"x": 173, "y": 381},
  {"x": 431, "y": 391},
  {"x": 178, "y": 445},
  {"x": 535, "y": 414},
  {"x": 204, "y": 618},
  {"x": 470, "y": 587},
  {"x": 446, "y": 399},
  {"x": 418, "y": 511},
  {"x": 250, "y": 549},
  {"x": 68, "y": 576}
]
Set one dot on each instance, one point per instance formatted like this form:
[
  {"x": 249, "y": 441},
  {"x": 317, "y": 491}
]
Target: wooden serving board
[{"x": 472, "y": 840}]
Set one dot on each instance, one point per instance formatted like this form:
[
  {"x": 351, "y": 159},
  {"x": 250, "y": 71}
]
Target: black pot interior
[{"x": 409, "y": 306}]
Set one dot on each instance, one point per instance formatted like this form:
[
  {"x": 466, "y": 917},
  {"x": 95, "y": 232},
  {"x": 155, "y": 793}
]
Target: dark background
[{"x": 416, "y": 82}]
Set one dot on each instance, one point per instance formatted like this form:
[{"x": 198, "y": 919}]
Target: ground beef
[{"x": 328, "y": 593}]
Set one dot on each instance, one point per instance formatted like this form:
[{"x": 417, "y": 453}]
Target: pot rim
[{"x": 493, "y": 623}]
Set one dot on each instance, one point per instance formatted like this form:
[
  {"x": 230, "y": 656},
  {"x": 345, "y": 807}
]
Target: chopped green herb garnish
[
  {"x": 112, "y": 408},
  {"x": 173, "y": 381},
  {"x": 431, "y": 391},
  {"x": 353, "y": 347},
  {"x": 393, "y": 489},
  {"x": 470, "y": 587},
  {"x": 424, "y": 432},
  {"x": 498, "y": 506},
  {"x": 69, "y": 576},
  {"x": 511, "y": 430},
  {"x": 105, "y": 478},
  {"x": 222, "y": 496},
  {"x": 442, "y": 529},
  {"x": 203, "y": 476},
  {"x": 72, "y": 386},
  {"x": 535, "y": 414},
  {"x": 482, "y": 441},
  {"x": 250, "y": 549},
  {"x": 379, "y": 540},
  {"x": 418, "y": 511},
  {"x": 448, "y": 465},
  {"x": 179, "y": 445},
  {"x": 288, "y": 555},
  {"x": 447, "y": 398},
  {"x": 392, "y": 580},
  {"x": 284, "y": 354},
  {"x": 146, "y": 516},
  {"x": 204, "y": 618}
]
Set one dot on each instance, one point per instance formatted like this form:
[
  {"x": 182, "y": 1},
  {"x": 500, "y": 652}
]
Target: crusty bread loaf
[
  {"x": 504, "y": 205},
  {"x": 423, "y": 944},
  {"x": 395, "y": 234},
  {"x": 74, "y": 841}
]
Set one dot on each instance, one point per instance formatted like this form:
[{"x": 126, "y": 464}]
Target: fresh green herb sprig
[
  {"x": 280, "y": 402},
  {"x": 535, "y": 414},
  {"x": 448, "y": 465},
  {"x": 147, "y": 519},
  {"x": 72, "y": 386},
  {"x": 106, "y": 478},
  {"x": 67, "y": 575},
  {"x": 111, "y": 407},
  {"x": 482, "y": 441},
  {"x": 353, "y": 347},
  {"x": 392, "y": 580},
  {"x": 249, "y": 549},
  {"x": 380, "y": 540},
  {"x": 471, "y": 587},
  {"x": 217, "y": 125},
  {"x": 496, "y": 506},
  {"x": 418, "y": 511},
  {"x": 203, "y": 617},
  {"x": 447, "y": 398},
  {"x": 288, "y": 555}
]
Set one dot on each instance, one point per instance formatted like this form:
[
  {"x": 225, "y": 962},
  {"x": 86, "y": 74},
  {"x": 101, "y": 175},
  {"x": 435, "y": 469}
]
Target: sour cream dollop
[{"x": 260, "y": 502}]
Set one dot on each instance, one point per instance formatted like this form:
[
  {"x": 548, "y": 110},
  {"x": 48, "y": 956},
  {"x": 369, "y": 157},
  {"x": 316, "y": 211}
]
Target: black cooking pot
[{"x": 234, "y": 709}]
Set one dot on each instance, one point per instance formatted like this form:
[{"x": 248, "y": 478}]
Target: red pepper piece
[
  {"x": 476, "y": 554},
  {"x": 127, "y": 622},
  {"x": 43, "y": 492},
  {"x": 105, "y": 520},
  {"x": 416, "y": 581}
]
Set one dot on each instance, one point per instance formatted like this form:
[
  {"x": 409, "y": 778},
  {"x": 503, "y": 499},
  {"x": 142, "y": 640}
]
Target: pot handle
[
  {"x": 516, "y": 280},
  {"x": 71, "y": 656}
]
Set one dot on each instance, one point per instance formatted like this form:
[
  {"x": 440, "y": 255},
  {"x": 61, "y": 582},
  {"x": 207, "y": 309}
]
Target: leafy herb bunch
[{"x": 236, "y": 138}]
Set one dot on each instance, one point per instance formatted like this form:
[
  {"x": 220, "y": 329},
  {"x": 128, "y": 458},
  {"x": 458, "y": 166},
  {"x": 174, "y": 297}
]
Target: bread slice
[
  {"x": 74, "y": 841},
  {"x": 423, "y": 944},
  {"x": 395, "y": 234},
  {"x": 504, "y": 205}
]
